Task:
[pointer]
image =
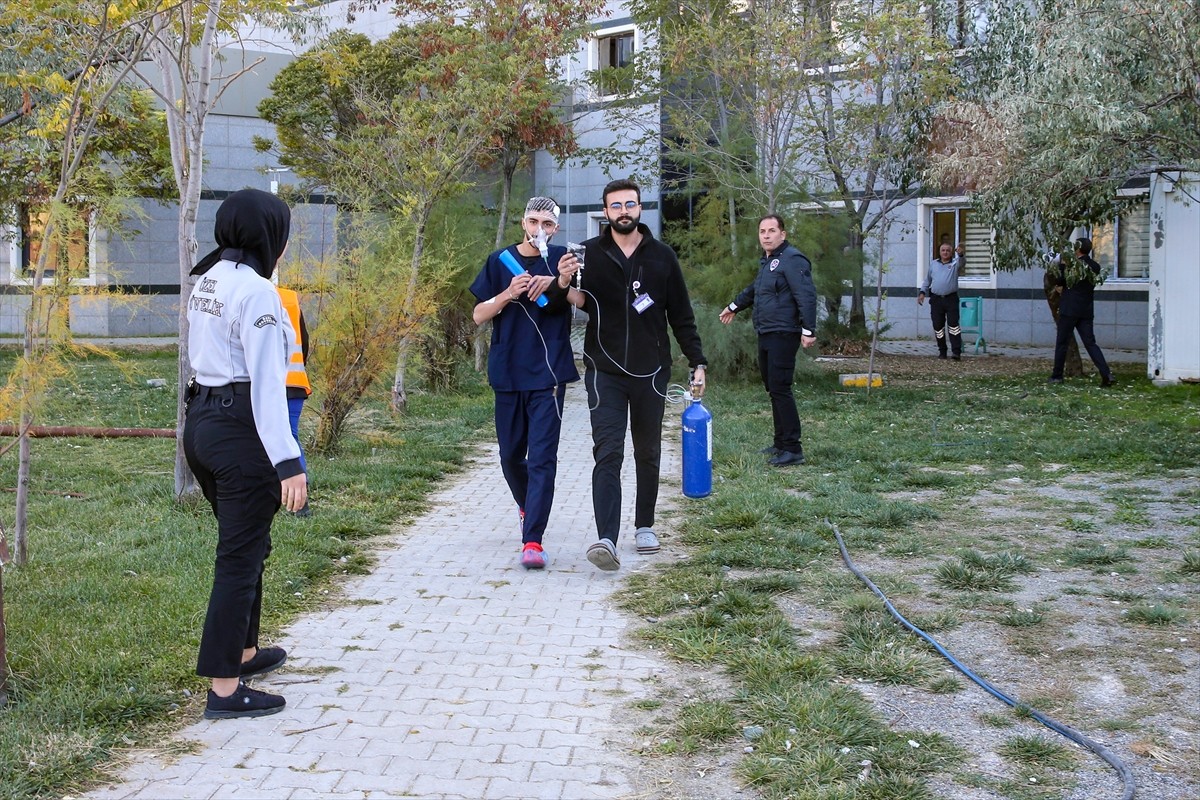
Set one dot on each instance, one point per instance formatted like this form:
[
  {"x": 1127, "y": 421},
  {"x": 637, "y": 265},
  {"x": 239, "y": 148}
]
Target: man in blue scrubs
[{"x": 529, "y": 365}]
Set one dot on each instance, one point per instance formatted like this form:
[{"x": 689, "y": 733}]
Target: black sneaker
[
  {"x": 1107, "y": 382},
  {"x": 941, "y": 355},
  {"x": 267, "y": 659},
  {"x": 787, "y": 459},
  {"x": 770, "y": 451},
  {"x": 957, "y": 356},
  {"x": 245, "y": 702}
]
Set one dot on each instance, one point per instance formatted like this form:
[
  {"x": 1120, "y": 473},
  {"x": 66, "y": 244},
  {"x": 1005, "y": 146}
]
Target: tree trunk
[
  {"x": 3, "y": 633},
  {"x": 185, "y": 90},
  {"x": 482, "y": 338},
  {"x": 858, "y": 317},
  {"x": 399, "y": 402},
  {"x": 21, "y": 528}
]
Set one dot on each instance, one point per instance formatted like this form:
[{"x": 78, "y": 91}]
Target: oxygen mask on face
[{"x": 541, "y": 242}]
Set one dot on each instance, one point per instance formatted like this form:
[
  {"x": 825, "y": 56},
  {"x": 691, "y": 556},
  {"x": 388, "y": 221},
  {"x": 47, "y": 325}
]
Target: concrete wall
[{"x": 1174, "y": 324}]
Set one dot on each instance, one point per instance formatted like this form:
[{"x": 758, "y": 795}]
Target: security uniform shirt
[
  {"x": 942, "y": 279},
  {"x": 783, "y": 294},
  {"x": 529, "y": 352},
  {"x": 236, "y": 335}
]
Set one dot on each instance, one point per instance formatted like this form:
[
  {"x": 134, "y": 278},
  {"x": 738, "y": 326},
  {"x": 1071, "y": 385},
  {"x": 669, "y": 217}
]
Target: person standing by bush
[
  {"x": 785, "y": 318},
  {"x": 299, "y": 388},
  {"x": 1077, "y": 309}
]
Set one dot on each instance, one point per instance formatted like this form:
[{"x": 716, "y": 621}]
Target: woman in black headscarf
[{"x": 237, "y": 438}]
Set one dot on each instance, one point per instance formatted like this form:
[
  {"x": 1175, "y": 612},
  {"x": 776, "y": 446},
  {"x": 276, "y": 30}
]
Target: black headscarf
[{"x": 252, "y": 228}]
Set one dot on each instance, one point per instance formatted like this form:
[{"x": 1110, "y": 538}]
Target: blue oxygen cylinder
[{"x": 697, "y": 450}]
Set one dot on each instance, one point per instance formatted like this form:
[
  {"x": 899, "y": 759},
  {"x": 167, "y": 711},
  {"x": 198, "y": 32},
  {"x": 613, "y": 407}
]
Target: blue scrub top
[{"x": 531, "y": 346}]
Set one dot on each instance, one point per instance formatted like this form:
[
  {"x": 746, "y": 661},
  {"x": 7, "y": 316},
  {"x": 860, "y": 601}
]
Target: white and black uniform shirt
[{"x": 237, "y": 333}]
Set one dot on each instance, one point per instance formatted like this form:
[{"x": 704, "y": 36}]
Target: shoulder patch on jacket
[{"x": 265, "y": 320}]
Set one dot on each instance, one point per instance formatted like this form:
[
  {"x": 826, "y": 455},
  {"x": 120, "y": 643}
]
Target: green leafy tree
[
  {"x": 768, "y": 103},
  {"x": 398, "y": 126},
  {"x": 185, "y": 39},
  {"x": 1062, "y": 104},
  {"x": 66, "y": 161}
]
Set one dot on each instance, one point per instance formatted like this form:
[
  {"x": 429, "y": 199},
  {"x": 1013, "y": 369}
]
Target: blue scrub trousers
[{"x": 527, "y": 429}]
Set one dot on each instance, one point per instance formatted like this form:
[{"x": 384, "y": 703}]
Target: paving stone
[{"x": 461, "y": 682}]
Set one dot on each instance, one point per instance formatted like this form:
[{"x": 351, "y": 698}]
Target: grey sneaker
[
  {"x": 603, "y": 554},
  {"x": 646, "y": 541}
]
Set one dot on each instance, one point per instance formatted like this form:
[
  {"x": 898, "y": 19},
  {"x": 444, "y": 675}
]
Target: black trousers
[
  {"x": 223, "y": 450},
  {"x": 527, "y": 430},
  {"x": 943, "y": 312},
  {"x": 618, "y": 402},
  {"x": 777, "y": 367},
  {"x": 1067, "y": 326}
]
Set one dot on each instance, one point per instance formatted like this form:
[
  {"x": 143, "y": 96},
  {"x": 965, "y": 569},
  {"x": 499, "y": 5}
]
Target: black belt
[
  {"x": 931, "y": 294},
  {"x": 228, "y": 390}
]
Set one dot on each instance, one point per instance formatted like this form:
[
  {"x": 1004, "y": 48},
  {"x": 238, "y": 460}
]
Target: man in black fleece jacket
[{"x": 632, "y": 289}]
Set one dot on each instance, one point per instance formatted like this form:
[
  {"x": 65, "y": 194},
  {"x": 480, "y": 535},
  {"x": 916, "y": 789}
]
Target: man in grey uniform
[{"x": 941, "y": 284}]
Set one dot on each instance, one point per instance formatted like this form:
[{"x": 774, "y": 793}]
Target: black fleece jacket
[{"x": 618, "y": 338}]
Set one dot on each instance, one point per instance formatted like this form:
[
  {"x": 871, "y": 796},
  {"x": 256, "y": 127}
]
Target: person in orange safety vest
[{"x": 298, "y": 386}]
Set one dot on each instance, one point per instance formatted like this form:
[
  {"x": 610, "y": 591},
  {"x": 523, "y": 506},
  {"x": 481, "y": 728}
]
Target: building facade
[{"x": 139, "y": 267}]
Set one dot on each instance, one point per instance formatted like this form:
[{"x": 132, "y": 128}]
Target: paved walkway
[{"x": 449, "y": 671}]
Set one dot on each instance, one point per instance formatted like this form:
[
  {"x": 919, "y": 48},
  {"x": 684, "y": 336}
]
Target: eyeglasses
[{"x": 628, "y": 204}]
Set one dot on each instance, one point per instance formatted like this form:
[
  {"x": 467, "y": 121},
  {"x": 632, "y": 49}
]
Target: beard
[{"x": 625, "y": 224}]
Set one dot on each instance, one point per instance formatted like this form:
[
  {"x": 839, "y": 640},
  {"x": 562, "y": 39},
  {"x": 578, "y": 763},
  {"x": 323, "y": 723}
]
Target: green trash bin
[{"x": 970, "y": 321}]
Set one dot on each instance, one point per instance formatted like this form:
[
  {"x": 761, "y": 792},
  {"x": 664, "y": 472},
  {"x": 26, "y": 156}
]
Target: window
[
  {"x": 961, "y": 22},
  {"x": 70, "y": 250},
  {"x": 1122, "y": 247},
  {"x": 612, "y": 62},
  {"x": 955, "y": 225}
]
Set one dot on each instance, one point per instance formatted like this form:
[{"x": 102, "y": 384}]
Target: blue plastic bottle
[
  {"x": 506, "y": 258},
  {"x": 697, "y": 450}
]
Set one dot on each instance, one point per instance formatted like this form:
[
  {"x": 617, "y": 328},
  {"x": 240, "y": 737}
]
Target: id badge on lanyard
[{"x": 641, "y": 301}]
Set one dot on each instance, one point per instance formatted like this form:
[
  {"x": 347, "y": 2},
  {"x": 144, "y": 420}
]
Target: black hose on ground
[{"x": 1063, "y": 730}]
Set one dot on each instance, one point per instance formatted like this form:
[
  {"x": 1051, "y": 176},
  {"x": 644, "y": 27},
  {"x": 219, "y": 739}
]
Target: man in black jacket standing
[
  {"x": 1076, "y": 309},
  {"x": 632, "y": 289},
  {"x": 785, "y": 317}
]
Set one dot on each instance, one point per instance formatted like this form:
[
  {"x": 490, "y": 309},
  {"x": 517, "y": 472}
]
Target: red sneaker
[{"x": 533, "y": 557}]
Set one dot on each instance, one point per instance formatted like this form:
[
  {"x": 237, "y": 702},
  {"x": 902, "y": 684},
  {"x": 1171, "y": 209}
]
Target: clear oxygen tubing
[
  {"x": 676, "y": 393},
  {"x": 1059, "y": 728}
]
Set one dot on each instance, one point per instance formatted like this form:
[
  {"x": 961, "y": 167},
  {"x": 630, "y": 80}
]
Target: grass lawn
[
  {"x": 992, "y": 507},
  {"x": 1008, "y": 517},
  {"x": 104, "y": 621}
]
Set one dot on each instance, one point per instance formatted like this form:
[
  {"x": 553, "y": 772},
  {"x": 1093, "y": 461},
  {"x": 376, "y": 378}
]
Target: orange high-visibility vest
[{"x": 297, "y": 376}]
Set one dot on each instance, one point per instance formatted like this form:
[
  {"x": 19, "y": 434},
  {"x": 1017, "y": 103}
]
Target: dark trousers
[
  {"x": 527, "y": 429},
  {"x": 617, "y": 402},
  {"x": 777, "y": 366},
  {"x": 1067, "y": 325},
  {"x": 223, "y": 450},
  {"x": 943, "y": 311}
]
